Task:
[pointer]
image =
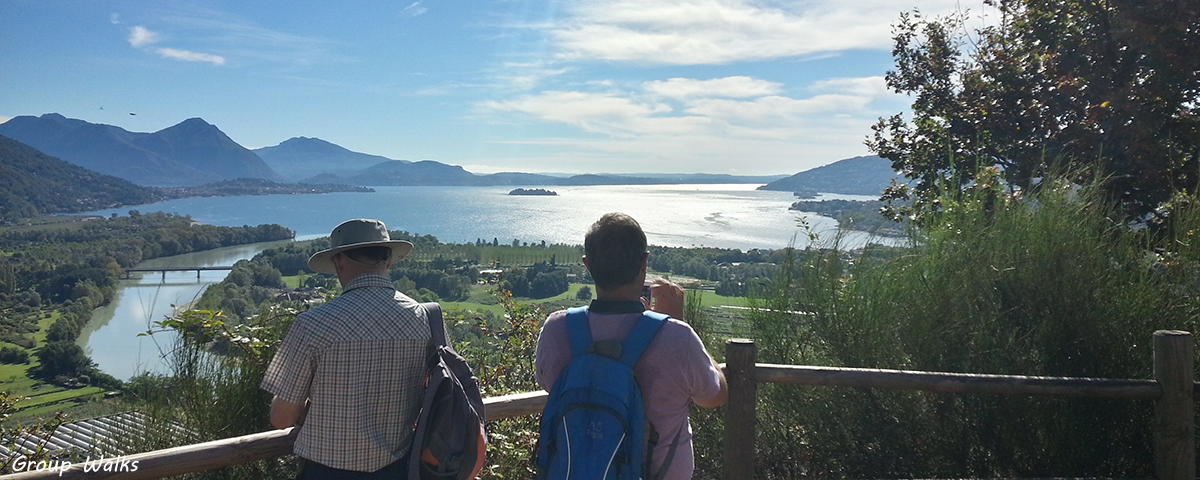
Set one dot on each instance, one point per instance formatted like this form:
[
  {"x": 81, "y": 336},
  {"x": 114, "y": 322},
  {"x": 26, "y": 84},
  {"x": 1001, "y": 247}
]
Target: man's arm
[
  {"x": 285, "y": 414},
  {"x": 723, "y": 395}
]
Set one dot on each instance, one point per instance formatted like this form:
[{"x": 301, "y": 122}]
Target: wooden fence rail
[{"x": 1173, "y": 390}]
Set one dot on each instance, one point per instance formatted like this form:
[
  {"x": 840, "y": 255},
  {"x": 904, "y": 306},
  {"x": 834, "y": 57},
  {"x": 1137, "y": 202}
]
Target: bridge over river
[{"x": 164, "y": 270}]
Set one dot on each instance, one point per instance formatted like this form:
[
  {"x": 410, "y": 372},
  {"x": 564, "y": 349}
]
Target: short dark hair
[
  {"x": 369, "y": 255},
  {"x": 615, "y": 247}
]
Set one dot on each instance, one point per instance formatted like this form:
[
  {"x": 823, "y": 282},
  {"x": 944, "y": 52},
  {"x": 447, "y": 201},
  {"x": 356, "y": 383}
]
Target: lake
[{"x": 727, "y": 216}]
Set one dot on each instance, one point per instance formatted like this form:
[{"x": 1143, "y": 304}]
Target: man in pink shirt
[{"x": 675, "y": 369}]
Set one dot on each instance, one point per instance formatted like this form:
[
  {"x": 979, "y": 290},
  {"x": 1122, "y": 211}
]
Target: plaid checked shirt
[{"x": 360, "y": 362}]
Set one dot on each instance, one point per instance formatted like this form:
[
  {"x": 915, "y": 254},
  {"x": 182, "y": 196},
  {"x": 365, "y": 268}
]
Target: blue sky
[{"x": 573, "y": 86}]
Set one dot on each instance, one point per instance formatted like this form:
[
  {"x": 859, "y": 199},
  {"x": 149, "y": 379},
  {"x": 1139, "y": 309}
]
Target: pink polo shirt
[{"x": 674, "y": 370}]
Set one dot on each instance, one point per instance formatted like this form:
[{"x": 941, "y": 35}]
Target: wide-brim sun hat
[{"x": 357, "y": 233}]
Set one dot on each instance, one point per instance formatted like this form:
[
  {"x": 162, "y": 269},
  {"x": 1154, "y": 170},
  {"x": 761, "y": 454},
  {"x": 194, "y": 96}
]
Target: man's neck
[
  {"x": 347, "y": 280},
  {"x": 627, "y": 293}
]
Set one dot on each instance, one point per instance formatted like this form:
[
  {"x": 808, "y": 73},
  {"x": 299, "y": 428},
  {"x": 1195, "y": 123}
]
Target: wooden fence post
[
  {"x": 740, "y": 416},
  {"x": 1175, "y": 411}
]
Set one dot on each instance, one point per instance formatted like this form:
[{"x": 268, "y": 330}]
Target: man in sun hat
[{"x": 351, "y": 370}]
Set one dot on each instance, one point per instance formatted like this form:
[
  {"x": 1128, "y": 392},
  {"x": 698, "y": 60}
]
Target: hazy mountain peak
[
  {"x": 300, "y": 158},
  {"x": 191, "y": 152}
]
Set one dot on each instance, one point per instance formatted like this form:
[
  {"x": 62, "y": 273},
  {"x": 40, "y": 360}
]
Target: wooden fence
[{"x": 1173, "y": 391}]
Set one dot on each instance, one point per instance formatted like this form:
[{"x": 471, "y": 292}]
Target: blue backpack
[{"x": 594, "y": 423}]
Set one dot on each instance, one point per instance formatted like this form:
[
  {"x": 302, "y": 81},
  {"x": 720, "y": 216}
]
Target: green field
[
  {"x": 41, "y": 398},
  {"x": 56, "y": 396}
]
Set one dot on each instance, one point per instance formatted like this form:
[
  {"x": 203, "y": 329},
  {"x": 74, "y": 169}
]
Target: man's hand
[{"x": 667, "y": 298}]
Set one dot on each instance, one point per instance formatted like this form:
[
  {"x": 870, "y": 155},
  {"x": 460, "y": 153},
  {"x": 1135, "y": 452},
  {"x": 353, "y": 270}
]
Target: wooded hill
[{"x": 36, "y": 183}]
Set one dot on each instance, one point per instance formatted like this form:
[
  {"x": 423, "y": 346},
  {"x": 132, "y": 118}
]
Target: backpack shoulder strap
[
  {"x": 640, "y": 335},
  {"x": 579, "y": 331},
  {"x": 437, "y": 327}
]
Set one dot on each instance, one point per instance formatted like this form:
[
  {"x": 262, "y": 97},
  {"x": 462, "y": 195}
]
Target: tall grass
[
  {"x": 1051, "y": 284},
  {"x": 209, "y": 395}
]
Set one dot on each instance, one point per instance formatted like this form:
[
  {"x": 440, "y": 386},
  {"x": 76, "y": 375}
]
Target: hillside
[
  {"x": 192, "y": 152},
  {"x": 36, "y": 183},
  {"x": 852, "y": 176}
]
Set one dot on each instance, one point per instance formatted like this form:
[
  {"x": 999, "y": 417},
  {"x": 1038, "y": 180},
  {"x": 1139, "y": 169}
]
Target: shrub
[
  {"x": 14, "y": 355},
  {"x": 1043, "y": 285}
]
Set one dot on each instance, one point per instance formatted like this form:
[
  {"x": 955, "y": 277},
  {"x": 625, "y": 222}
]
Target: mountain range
[
  {"x": 192, "y": 152},
  {"x": 195, "y": 152}
]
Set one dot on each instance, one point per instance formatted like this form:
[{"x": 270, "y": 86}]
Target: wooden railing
[{"x": 1173, "y": 390}]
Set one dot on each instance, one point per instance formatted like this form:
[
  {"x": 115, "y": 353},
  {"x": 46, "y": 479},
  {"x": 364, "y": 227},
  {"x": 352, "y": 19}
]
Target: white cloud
[
  {"x": 527, "y": 76},
  {"x": 736, "y": 87},
  {"x": 705, "y": 32},
  {"x": 114, "y": 18},
  {"x": 680, "y": 123},
  {"x": 602, "y": 113},
  {"x": 773, "y": 108},
  {"x": 414, "y": 10},
  {"x": 875, "y": 87},
  {"x": 195, "y": 28},
  {"x": 140, "y": 36},
  {"x": 190, "y": 56}
]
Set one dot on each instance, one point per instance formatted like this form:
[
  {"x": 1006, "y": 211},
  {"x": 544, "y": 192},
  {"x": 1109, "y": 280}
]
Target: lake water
[{"x": 728, "y": 216}]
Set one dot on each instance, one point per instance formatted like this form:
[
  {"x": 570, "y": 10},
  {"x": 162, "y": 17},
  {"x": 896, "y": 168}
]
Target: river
[{"x": 111, "y": 337}]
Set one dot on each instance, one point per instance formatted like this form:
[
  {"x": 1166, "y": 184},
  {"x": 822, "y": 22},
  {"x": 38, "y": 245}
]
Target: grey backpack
[{"x": 449, "y": 441}]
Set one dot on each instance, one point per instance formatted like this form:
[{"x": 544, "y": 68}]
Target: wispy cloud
[
  {"x": 736, "y": 87},
  {"x": 190, "y": 56},
  {"x": 414, "y": 10},
  {"x": 680, "y": 119},
  {"x": 140, "y": 36},
  {"x": 706, "y": 32},
  {"x": 527, "y": 76},
  {"x": 866, "y": 86},
  {"x": 201, "y": 34}
]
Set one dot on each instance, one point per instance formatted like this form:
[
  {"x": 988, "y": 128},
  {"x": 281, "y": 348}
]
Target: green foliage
[
  {"x": 584, "y": 293},
  {"x": 213, "y": 391},
  {"x": 1104, "y": 89},
  {"x": 1043, "y": 285},
  {"x": 14, "y": 355},
  {"x": 540, "y": 280},
  {"x": 66, "y": 364},
  {"x": 502, "y": 357}
]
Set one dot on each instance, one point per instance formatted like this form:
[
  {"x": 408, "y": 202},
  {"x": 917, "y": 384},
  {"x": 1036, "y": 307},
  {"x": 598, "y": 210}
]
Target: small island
[{"x": 532, "y": 191}]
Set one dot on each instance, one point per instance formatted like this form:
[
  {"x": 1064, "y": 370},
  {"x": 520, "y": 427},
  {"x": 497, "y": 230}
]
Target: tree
[
  {"x": 1105, "y": 90},
  {"x": 585, "y": 293},
  {"x": 61, "y": 359}
]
